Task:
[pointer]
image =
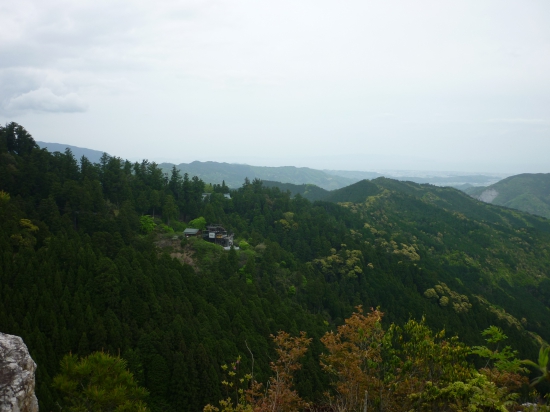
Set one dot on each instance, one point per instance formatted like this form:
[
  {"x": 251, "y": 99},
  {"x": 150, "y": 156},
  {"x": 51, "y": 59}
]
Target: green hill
[
  {"x": 356, "y": 192},
  {"x": 474, "y": 243},
  {"x": 527, "y": 192},
  {"x": 308, "y": 191}
]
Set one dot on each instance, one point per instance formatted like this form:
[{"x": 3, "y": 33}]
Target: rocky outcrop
[
  {"x": 488, "y": 195},
  {"x": 16, "y": 376}
]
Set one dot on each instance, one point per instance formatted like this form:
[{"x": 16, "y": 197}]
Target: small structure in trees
[
  {"x": 218, "y": 235},
  {"x": 191, "y": 232},
  {"x": 207, "y": 196}
]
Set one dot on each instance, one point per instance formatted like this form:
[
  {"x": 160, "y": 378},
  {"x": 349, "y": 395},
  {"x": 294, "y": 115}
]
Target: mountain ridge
[
  {"x": 528, "y": 192},
  {"x": 92, "y": 155},
  {"x": 235, "y": 173}
]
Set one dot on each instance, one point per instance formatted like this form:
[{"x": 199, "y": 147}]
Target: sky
[{"x": 354, "y": 85}]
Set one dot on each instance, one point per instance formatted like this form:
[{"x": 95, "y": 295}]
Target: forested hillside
[
  {"x": 92, "y": 259},
  {"x": 527, "y": 192},
  {"x": 309, "y": 191}
]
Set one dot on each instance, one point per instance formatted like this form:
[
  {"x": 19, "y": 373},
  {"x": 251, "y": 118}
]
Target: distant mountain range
[
  {"x": 527, "y": 192},
  {"x": 92, "y": 155},
  {"x": 235, "y": 174},
  {"x": 434, "y": 178}
]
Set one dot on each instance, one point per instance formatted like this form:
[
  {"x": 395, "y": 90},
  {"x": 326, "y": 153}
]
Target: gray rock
[
  {"x": 488, "y": 195},
  {"x": 16, "y": 376}
]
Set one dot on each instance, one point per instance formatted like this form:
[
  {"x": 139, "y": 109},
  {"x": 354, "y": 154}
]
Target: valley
[{"x": 94, "y": 259}]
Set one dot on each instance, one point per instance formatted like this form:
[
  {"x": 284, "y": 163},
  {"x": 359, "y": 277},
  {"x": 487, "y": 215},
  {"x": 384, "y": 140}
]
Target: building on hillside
[
  {"x": 190, "y": 232},
  {"x": 218, "y": 235},
  {"x": 207, "y": 196}
]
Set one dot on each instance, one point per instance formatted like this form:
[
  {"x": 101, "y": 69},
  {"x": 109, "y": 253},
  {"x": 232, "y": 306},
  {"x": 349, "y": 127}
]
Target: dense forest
[{"x": 92, "y": 259}]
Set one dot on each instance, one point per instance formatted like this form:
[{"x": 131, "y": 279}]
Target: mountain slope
[
  {"x": 84, "y": 268},
  {"x": 308, "y": 191},
  {"x": 527, "y": 192},
  {"x": 434, "y": 178},
  {"x": 93, "y": 155},
  {"x": 356, "y": 192},
  {"x": 497, "y": 256}
]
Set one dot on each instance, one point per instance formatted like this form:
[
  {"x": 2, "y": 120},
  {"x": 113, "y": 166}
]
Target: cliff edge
[{"x": 16, "y": 376}]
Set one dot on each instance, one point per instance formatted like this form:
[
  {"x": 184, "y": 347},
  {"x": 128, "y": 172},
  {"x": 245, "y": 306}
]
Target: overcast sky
[{"x": 354, "y": 85}]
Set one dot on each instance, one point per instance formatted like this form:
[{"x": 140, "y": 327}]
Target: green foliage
[
  {"x": 444, "y": 295},
  {"x": 4, "y": 197},
  {"x": 98, "y": 382},
  {"x": 542, "y": 366},
  {"x": 409, "y": 368},
  {"x": 503, "y": 359},
  {"x": 198, "y": 223},
  {"x": 147, "y": 224},
  {"x": 475, "y": 394},
  {"x": 166, "y": 228},
  {"x": 243, "y": 245},
  {"x": 169, "y": 209},
  {"x": 178, "y": 226}
]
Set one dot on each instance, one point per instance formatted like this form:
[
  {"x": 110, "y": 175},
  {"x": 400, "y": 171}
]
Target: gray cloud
[
  {"x": 44, "y": 100},
  {"x": 317, "y": 78}
]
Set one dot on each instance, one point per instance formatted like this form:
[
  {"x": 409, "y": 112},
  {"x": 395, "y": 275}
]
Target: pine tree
[{"x": 98, "y": 382}]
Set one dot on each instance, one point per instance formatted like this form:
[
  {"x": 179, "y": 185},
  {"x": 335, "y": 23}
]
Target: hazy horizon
[
  {"x": 389, "y": 172},
  {"x": 357, "y": 86}
]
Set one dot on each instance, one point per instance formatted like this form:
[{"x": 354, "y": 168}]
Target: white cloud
[{"x": 44, "y": 100}]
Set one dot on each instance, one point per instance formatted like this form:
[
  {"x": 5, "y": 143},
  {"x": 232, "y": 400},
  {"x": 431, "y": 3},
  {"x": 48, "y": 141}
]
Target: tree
[
  {"x": 154, "y": 200},
  {"x": 353, "y": 359},
  {"x": 169, "y": 209},
  {"x": 279, "y": 394},
  {"x": 542, "y": 366},
  {"x": 15, "y": 139},
  {"x": 147, "y": 224},
  {"x": 99, "y": 382},
  {"x": 175, "y": 183},
  {"x": 502, "y": 366},
  {"x": 198, "y": 223}
]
